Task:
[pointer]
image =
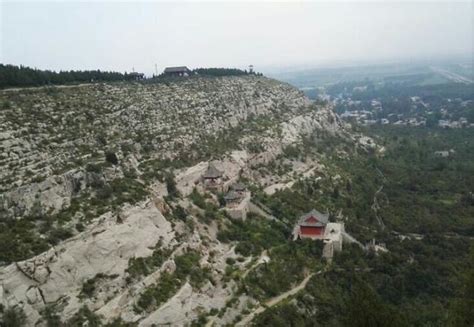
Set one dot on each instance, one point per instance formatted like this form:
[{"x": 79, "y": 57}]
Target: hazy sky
[{"x": 121, "y": 35}]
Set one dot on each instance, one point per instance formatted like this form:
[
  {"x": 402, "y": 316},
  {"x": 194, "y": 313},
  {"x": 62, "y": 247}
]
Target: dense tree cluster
[
  {"x": 21, "y": 76},
  {"x": 409, "y": 285}
]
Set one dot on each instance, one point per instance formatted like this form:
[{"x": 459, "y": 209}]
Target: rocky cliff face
[
  {"x": 53, "y": 132},
  {"x": 46, "y": 131},
  {"x": 97, "y": 161}
]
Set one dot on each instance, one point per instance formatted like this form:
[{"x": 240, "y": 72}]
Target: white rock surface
[{"x": 104, "y": 248}]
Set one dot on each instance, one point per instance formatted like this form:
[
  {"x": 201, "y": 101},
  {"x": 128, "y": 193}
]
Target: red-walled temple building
[{"x": 312, "y": 225}]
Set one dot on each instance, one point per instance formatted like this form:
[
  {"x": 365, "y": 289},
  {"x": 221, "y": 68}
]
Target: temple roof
[
  {"x": 320, "y": 221},
  {"x": 232, "y": 196},
  {"x": 239, "y": 187},
  {"x": 181, "y": 69},
  {"x": 212, "y": 172}
]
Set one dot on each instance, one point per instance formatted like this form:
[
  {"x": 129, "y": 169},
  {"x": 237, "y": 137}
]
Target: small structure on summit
[
  {"x": 212, "y": 177},
  {"x": 181, "y": 71},
  {"x": 237, "y": 192},
  {"x": 237, "y": 201},
  {"x": 239, "y": 188},
  {"x": 316, "y": 226},
  {"x": 312, "y": 225},
  {"x": 232, "y": 198},
  {"x": 444, "y": 154}
]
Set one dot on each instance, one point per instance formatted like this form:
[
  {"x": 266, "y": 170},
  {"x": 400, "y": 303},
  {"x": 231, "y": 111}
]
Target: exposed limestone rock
[
  {"x": 50, "y": 195},
  {"x": 182, "y": 308},
  {"x": 162, "y": 117},
  {"x": 104, "y": 248}
]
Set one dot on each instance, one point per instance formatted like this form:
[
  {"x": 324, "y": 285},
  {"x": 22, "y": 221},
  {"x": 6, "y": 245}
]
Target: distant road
[{"x": 451, "y": 76}]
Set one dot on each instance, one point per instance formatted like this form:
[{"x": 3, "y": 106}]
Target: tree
[
  {"x": 13, "y": 317},
  {"x": 111, "y": 157},
  {"x": 21, "y": 76},
  {"x": 365, "y": 308},
  {"x": 84, "y": 317},
  {"x": 171, "y": 186},
  {"x": 461, "y": 311}
]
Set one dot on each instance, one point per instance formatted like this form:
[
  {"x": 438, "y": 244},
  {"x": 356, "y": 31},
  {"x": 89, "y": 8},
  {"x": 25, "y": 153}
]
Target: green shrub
[
  {"x": 6, "y": 105},
  {"x": 80, "y": 227},
  {"x": 171, "y": 186},
  {"x": 118, "y": 322},
  {"x": 158, "y": 293},
  {"x": 187, "y": 266},
  {"x": 93, "y": 168},
  {"x": 144, "y": 266},
  {"x": 180, "y": 213},
  {"x": 84, "y": 317},
  {"x": 52, "y": 318},
  {"x": 286, "y": 266},
  {"x": 253, "y": 235},
  {"x": 13, "y": 317},
  {"x": 111, "y": 157},
  {"x": 197, "y": 199},
  {"x": 88, "y": 287},
  {"x": 59, "y": 234}
]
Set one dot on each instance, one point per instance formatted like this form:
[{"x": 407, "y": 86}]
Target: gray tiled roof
[
  {"x": 212, "y": 172},
  {"x": 181, "y": 69},
  {"x": 232, "y": 196},
  {"x": 322, "y": 218},
  {"x": 239, "y": 187}
]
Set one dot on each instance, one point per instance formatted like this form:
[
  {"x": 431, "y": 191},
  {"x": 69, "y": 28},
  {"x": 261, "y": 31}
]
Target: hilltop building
[
  {"x": 444, "y": 154},
  {"x": 232, "y": 198},
  {"x": 312, "y": 225},
  {"x": 237, "y": 201},
  {"x": 316, "y": 226},
  {"x": 237, "y": 192},
  {"x": 212, "y": 177},
  {"x": 181, "y": 71},
  {"x": 239, "y": 188}
]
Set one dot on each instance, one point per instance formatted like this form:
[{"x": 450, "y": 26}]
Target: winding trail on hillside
[
  {"x": 376, "y": 207},
  {"x": 275, "y": 300},
  {"x": 263, "y": 258}
]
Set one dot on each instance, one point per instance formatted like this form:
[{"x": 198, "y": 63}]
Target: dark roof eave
[
  {"x": 318, "y": 224},
  {"x": 181, "y": 69},
  {"x": 232, "y": 196},
  {"x": 239, "y": 187},
  {"x": 212, "y": 172},
  {"x": 322, "y": 218}
]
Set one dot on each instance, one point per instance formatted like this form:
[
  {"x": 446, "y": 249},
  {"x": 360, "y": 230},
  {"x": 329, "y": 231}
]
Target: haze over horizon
[{"x": 124, "y": 36}]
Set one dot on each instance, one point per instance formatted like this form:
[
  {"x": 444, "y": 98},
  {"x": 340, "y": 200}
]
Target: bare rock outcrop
[{"x": 104, "y": 248}]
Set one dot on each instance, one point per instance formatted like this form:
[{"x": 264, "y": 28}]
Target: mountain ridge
[{"x": 91, "y": 218}]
